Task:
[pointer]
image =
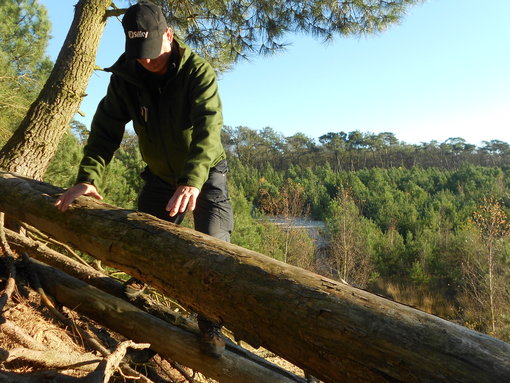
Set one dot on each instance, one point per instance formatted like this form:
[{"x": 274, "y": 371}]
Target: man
[{"x": 171, "y": 96}]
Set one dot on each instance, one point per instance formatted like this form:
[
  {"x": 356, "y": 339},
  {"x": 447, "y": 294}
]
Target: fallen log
[
  {"x": 97, "y": 279},
  {"x": 88, "y": 274},
  {"x": 167, "y": 340},
  {"x": 335, "y": 331}
]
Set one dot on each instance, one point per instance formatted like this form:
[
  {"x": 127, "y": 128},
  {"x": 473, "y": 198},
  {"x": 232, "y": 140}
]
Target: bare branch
[{"x": 8, "y": 259}]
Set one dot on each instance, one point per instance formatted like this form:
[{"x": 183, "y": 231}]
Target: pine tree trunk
[
  {"x": 29, "y": 151},
  {"x": 336, "y": 332}
]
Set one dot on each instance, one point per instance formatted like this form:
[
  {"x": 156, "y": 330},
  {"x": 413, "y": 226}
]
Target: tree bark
[
  {"x": 167, "y": 340},
  {"x": 335, "y": 331},
  {"x": 33, "y": 144}
]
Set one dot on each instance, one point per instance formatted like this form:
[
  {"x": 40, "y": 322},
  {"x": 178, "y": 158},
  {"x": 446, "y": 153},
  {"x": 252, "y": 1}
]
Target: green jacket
[{"x": 178, "y": 125}]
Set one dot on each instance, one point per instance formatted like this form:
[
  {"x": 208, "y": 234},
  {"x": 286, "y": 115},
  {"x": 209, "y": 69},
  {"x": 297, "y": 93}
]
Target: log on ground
[
  {"x": 335, "y": 331},
  {"x": 87, "y": 274}
]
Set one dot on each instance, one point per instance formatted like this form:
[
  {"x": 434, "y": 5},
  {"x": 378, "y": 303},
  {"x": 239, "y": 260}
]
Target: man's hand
[
  {"x": 185, "y": 197},
  {"x": 76, "y": 191}
]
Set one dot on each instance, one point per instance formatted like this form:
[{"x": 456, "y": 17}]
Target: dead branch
[
  {"x": 102, "y": 370},
  {"x": 53, "y": 359},
  {"x": 36, "y": 285},
  {"x": 182, "y": 371},
  {"x": 38, "y": 377},
  {"x": 35, "y": 232},
  {"x": 115, "y": 12},
  {"x": 8, "y": 259},
  {"x": 88, "y": 274},
  {"x": 171, "y": 374},
  {"x": 110, "y": 364},
  {"x": 19, "y": 335}
]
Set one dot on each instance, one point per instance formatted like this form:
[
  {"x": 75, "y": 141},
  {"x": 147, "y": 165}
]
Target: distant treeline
[{"x": 357, "y": 150}]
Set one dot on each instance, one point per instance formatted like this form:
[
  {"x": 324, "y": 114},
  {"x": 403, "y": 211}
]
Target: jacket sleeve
[
  {"x": 106, "y": 132},
  {"x": 207, "y": 121}
]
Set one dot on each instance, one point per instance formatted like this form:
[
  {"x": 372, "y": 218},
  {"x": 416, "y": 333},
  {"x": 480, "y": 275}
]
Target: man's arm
[
  {"x": 106, "y": 134},
  {"x": 207, "y": 120},
  {"x": 107, "y": 130}
]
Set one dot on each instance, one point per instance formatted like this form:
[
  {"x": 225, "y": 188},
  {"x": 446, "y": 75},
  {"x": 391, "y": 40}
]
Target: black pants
[{"x": 213, "y": 211}]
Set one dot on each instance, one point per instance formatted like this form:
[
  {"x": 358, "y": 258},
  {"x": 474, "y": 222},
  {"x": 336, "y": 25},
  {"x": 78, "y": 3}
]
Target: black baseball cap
[{"x": 144, "y": 26}]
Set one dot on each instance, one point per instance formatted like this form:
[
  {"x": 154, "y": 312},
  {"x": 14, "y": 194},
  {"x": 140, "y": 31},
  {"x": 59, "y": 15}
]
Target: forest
[
  {"x": 426, "y": 225},
  {"x": 423, "y": 224}
]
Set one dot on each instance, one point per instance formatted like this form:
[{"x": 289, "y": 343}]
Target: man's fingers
[
  {"x": 62, "y": 203},
  {"x": 178, "y": 206},
  {"x": 184, "y": 203},
  {"x": 94, "y": 194},
  {"x": 192, "y": 202},
  {"x": 173, "y": 205},
  {"x": 183, "y": 199},
  {"x": 66, "y": 199}
]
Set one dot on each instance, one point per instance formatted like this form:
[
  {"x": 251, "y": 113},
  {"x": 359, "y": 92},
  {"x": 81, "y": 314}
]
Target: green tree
[
  {"x": 24, "y": 34},
  {"x": 485, "y": 272},
  {"x": 334, "y": 143},
  {"x": 496, "y": 150},
  {"x": 253, "y": 232},
  {"x": 29, "y": 150},
  {"x": 121, "y": 183},
  {"x": 351, "y": 240},
  {"x": 64, "y": 165},
  {"x": 292, "y": 245},
  {"x": 300, "y": 148},
  {"x": 244, "y": 143}
]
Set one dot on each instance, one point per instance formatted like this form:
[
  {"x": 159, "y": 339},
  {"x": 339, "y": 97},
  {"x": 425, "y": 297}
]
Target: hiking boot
[
  {"x": 211, "y": 340},
  {"x": 133, "y": 288}
]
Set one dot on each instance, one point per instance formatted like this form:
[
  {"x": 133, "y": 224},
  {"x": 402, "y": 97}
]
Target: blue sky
[{"x": 443, "y": 72}]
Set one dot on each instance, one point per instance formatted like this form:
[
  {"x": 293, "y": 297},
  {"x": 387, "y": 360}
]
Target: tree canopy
[{"x": 224, "y": 31}]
